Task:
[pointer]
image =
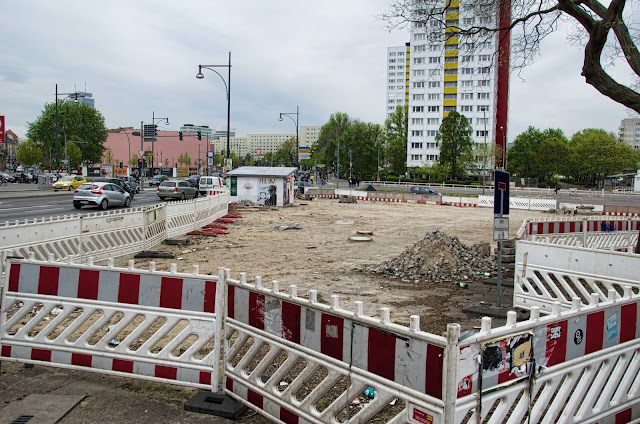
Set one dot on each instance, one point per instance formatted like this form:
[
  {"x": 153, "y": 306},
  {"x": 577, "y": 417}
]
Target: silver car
[
  {"x": 102, "y": 195},
  {"x": 179, "y": 189}
]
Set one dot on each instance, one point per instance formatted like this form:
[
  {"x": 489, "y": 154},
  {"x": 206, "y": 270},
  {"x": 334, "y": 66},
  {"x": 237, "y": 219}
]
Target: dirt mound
[{"x": 439, "y": 258}]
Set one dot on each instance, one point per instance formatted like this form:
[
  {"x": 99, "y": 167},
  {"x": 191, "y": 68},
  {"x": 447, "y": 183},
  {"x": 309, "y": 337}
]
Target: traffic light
[
  {"x": 140, "y": 163},
  {"x": 199, "y": 135},
  {"x": 155, "y": 130},
  {"x": 180, "y": 135}
]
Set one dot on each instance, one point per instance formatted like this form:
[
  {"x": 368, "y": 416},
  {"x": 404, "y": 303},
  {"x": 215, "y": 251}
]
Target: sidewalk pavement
[
  {"x": 13, "y": 190},
  {"x": 56, "y": 395}
]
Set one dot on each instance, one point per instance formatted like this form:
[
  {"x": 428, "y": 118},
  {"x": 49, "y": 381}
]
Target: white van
[{"x": 210, "y": 183}]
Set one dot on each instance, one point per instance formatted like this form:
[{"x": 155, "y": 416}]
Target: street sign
[
  {"x": 500, "y": 228},
  {"x": 150, "y": 139},
  {"x": 141, "y": 153},
  {"x": 210, "y": 155},
  {"x": 304, "y": 149},
  {"x": 304, "y": 156},
  {"x": 501, "y": 193},
  {"x": 136, "y": 133}
]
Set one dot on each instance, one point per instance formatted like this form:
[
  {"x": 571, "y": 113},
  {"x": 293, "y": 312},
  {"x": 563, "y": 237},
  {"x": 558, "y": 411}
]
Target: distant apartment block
[
  {"x": 629, "y": 132},
  {"x": 398, "y": 64},
  {"x": 259, "y": 144}
]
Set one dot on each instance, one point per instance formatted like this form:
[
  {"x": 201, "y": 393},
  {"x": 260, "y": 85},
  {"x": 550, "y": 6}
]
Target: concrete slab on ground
[{"x": 44, "y": 408}]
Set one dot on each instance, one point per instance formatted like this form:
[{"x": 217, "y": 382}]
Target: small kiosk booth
[{"x": 262, "y": 184}]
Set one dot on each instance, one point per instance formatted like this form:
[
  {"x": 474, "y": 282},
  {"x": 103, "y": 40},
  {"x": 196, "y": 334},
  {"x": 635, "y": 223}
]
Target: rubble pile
[{"x": 439, "y": 258}]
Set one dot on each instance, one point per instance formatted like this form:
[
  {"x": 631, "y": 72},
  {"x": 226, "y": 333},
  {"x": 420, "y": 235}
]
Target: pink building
[{"x": 166, "y": 149}]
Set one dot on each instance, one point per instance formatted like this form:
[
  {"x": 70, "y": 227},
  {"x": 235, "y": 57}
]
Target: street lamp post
[
  {"x": 295, "y": 121},
  {"x": 227, "y": 87},
  {"x": 69, "y": 95}
]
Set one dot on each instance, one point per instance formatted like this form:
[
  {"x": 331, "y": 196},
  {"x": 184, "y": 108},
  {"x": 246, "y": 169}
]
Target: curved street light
[
  {"x": 227, "y": 87},
  {"x": 295, "y": 121},
  {"x": 127, "y": 134}
]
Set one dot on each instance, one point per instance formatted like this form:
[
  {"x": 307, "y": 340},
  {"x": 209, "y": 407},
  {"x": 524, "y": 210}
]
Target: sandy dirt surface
[{"x": 320, "y": 256}]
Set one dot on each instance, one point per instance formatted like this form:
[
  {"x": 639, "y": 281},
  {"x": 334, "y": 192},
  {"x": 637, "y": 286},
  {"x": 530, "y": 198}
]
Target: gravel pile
[
  {"x": 439, "y": 258},
  {"x": 246, "y": 202}
]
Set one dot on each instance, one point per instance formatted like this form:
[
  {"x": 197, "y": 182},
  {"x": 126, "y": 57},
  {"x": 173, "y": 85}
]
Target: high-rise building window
[
  {"x": 418, "y": 60},
  {"x": 434, "y": 84},
  {"x": 418, "y": 72},
  {"x": 434, "y": 96},
  {"x": 467, "y": 83},
  {"x": 466, "y": 108},
  {"x": 416, "y": 145},
  {"x": 466, "y": 96},
  {"x": 417, "y": 121},
  {"x": 434, "y": 72},
  {"x": 434, "y": 59},
  {"x": 483, "y": 83},
  {"x": 418, "y": 108},
  {"x": 484, "y": 96},
  {"x": 483, "y": 108},
  {"x": 450, "y": 96},
  {"x": 418, "y": 84},
  {"x": 433, "y": 109},
  {"x": 418, "y": 97},
  {"x": 433, "y": 121},
  {"x": 420, "y": 36}
]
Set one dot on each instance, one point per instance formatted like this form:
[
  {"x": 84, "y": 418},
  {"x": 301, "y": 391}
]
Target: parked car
[
  {"x": 101, "y": 194},
  {"x": 117, "y": 181},
  {"x": 22, "y": 177},
  {"x": 176, "y": 189},
  {"x": 157, "y": 179},
  {"x": 69, "y": 182},
  {"x": 300, "y": 185},
  {"x": 423, "y": 190},
  {"x": 9, "y": 178},
  {"x": 210, "y": 183},
  {"x": 194, "y": 181},
  {"x": 132, "y": 182}
]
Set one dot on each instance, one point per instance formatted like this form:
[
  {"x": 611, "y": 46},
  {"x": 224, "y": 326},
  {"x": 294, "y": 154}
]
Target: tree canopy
[
  {"x": 396, "y": 132},
  {"x": 456, "y": 145},
  {"x": 587, "y": 158},
  {"x": 29, "y": 153},
  {"x": 607, "y": 31},
  {"x": 78, "y": 122}
]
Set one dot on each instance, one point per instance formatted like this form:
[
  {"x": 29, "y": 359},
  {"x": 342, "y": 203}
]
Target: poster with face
[{"x": 267, "y": 192}]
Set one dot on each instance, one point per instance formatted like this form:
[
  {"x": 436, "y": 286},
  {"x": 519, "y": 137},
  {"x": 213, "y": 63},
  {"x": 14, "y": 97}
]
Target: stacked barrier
[
  {"x": 103, "y": 235},
  {"x": 547, "y": 274},
  {"x": 152, "y": 325},
  {"x": 616, "y": 233},
  {"x": 526, "y": 203}
]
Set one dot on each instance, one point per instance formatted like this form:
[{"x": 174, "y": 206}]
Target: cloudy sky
[{"x": 138, "y": 57}]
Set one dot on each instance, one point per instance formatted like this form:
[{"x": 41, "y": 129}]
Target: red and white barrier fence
[{"x": 159, "y": 326}]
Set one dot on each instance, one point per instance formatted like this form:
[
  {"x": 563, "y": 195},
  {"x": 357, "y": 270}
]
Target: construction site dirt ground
[
  {"x": 317, "y": 256},
  {"x": 320, "y": 255}
]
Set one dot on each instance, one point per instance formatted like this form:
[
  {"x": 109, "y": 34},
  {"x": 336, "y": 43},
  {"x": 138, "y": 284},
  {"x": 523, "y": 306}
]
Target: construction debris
[
  {"x": 439, "y": 258},
  {"x": 291, "y": 226},
  {"x": 347, "y": 199}
]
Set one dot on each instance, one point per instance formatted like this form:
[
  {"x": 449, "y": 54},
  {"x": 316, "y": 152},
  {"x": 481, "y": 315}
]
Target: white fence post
[
  {"x": 450, "y": 377},
  {"x": 218, "y": 354}
]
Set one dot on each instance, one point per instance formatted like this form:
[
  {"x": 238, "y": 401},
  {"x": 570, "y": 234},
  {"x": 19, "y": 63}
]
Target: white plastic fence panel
[
  {"x": 159, "y": 326},
  {"x": 57, "y": 235},
  {"x": 532, "y": 204},
  {"x": 345, "y": 192},
  {"x": 181, "y": 216},
  {"x": 111, "y": 235},
  {"x": 547, "y": 274},
  {"x": 460, "y": 199},
  {"x": 585, "y": 368},
  {"x": 296, "y": 359}
]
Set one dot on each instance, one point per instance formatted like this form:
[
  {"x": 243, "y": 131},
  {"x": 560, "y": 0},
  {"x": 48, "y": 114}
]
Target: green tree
[
  {"x": 596, "y": 154},
  {"x": 456, "y": 145},
  {"x": 539, "y": 154},
  {"x": 29, "y": 153},
  {"x": 184, "y": 159},
  {"x": 283, "y": 157},
  {"x": 325, "y": 149},
  {"x": 74, "y": 154},
  {"x": 78, "y": 121},
  {"x": 396, "y": 132},
  {"x": 359, "y": 149},
  {"x": 134, "y": 160},
  {"x": 249, "y": 160}
]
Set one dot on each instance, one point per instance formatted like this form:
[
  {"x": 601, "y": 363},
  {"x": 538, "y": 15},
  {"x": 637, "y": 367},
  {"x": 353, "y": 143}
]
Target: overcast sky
[{"x": 139, "y": 57}]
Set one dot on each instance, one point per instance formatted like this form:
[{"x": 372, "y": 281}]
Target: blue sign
[{"x": 500, "y": 192}]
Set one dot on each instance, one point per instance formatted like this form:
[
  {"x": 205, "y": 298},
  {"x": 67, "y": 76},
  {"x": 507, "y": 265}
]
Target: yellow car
[{"x": 69, "y": 182}]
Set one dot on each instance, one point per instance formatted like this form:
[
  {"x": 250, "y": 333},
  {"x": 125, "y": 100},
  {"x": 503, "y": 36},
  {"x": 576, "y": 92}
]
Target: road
[{"x": 40, "y": 205}]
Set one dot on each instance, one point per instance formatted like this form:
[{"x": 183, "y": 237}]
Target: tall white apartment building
[
  {"x": 447, "y": 74},
  {"x": 629, "y": 132},
  {"x": 397, "y": 77}
]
